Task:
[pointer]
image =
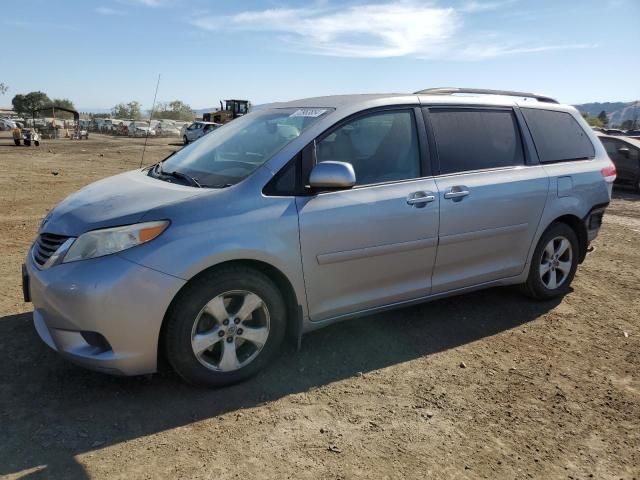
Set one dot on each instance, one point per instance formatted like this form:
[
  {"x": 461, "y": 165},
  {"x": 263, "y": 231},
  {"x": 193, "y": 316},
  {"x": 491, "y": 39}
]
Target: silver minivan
[{"x": 309, "y": 212}]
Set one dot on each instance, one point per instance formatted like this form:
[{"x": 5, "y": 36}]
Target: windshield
[{"x": 231, "y": 153}]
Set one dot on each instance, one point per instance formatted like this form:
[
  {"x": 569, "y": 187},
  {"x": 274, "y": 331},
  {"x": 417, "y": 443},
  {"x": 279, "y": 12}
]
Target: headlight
[{"x": 98, "y": 243}]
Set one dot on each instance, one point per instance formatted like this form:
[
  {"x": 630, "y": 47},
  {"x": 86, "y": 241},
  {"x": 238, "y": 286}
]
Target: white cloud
[
  {"x": 382, "y": 30},
  {"x": 109, "y": 11},
  {"x": 473, "y": 6},
  {"x": 482, "y": 52},
  {"x": 395, "y": 29},
  {"x": 145, "y": 3}
]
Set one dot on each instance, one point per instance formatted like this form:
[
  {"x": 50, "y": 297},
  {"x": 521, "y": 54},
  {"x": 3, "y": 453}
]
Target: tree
[
  {"x": 25, "y": 104},
  {"x": 120, "y": 111},
  {"x": 603, "y": 117},
  {"x": 3, "y": 88},
  {"x": 175, "y": 110},
  {"x": 131, "y": 110},
  {"x": 592, "y": 121},
  {"x": 62, "y": 103},
  {"x": 135, "y": 110}
]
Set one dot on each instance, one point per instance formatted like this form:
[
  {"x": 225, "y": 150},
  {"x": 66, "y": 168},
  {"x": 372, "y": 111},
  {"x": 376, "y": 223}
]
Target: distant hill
[{"x": 617, "y": 112}]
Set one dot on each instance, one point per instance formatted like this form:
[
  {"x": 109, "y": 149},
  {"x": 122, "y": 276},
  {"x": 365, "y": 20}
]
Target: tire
[
  {"x": 185, "y": 140},
  {"x": 559, "y": 270},
  {"x": 190, "y": 327}
]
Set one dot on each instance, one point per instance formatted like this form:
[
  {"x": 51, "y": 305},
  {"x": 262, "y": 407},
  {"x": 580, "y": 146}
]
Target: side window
[
  {"x": 557, "y": 136},
  {"x": 611, "y": 146},
  {"x": 476, "y": 139},
  {"x": 284, "y": 183},
  {"x": 382, "y": 147}
]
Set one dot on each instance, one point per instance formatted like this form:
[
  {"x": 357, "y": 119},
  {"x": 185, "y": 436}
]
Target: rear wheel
[
  {"x": 554, "y": 263},
  {"x": 225, "y": 327}
]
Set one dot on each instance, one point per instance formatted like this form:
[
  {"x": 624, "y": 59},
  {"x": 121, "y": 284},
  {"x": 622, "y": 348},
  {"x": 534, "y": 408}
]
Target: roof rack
[{"x": 452, "y": 90}]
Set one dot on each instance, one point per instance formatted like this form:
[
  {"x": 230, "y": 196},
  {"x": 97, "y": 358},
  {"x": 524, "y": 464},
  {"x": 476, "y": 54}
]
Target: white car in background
[
  {"x": 7, "y": 124},
  {"x": 197, "y": 130},
  {"x": 167, "y": 128},
  {"x": 141, "y": 129}
]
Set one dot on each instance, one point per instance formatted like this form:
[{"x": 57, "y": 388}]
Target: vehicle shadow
[
  {"x": 625, "y": 192},
  {"x": 51, "y": 410}
]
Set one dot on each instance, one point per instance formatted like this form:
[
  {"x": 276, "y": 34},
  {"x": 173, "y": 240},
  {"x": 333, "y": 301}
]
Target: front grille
[{"x": 45, "y": 246}]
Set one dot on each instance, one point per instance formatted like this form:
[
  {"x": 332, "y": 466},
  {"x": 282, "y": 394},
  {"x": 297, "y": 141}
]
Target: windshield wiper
[
  {"x": 192, "y": 181},
  {"x": 175, "y": 174},
  {"x": 221, "y": 185}
]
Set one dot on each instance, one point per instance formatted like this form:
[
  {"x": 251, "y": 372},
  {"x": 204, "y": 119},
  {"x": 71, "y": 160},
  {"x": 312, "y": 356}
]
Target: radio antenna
[{"x": 153, "y": 106}]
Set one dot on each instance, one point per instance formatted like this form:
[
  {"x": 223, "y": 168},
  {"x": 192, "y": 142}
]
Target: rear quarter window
[{"x": 557, "y": 136}]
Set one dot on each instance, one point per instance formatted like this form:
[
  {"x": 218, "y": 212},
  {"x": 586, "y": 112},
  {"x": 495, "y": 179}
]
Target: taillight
[{"x": 609, "y": 173}]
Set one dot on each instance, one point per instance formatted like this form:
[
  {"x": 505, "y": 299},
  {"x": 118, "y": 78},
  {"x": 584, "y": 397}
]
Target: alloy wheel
[
  {"x": 556, "y": 262},
  {"x": 230, "y": 331}
]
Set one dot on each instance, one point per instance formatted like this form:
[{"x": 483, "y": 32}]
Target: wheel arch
[
  {"x": 294, "y": 313},
  {"x": 580, "y": 229}
]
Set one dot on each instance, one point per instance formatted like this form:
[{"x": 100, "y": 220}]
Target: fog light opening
[{"x": 96, "y": 340}]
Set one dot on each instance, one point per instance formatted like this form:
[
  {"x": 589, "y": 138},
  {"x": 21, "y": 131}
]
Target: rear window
[
  {"x": 557, "y": 136},
  {"x": 475, "y": 139}
]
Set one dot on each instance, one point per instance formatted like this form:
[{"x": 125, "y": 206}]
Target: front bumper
[{"x": 104, "y": 314}]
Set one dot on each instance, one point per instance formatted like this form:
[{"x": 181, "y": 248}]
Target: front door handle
[
  {"x": 456, "y": 193},
  {"x": 420, "y": 199}
]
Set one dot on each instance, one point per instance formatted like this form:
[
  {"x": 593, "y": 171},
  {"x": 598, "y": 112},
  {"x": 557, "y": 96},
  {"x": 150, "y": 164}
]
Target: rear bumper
[
  {"x": 104, "y": 314},
  {"x": 593, "y": 222}
]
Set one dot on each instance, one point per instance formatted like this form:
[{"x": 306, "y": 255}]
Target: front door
[
  {"x": 375, "y": 244},
  {"x": 491, "y": 201}
]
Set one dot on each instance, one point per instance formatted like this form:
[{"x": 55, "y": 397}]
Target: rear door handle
[
  {"x": 420, "y": 198},
  {"x": 457, "y": 192}
]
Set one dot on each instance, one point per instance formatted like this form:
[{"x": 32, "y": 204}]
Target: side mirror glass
[{"x": 332, "y": 175}]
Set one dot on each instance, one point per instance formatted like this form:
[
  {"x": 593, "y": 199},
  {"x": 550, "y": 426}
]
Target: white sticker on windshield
[{"x": 308, "y": 112}]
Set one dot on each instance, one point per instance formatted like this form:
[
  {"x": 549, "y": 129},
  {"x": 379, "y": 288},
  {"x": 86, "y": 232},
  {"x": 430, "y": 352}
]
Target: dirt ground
[{"x": 486, "y": 385}]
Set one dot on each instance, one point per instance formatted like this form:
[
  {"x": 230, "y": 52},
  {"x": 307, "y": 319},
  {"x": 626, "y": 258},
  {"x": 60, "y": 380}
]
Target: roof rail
[{"x": 452, "y": 90}]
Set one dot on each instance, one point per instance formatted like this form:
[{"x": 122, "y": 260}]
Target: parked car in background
[
  {"x": 613, "y": 131},
  {"x": 197, "y": 130},
  {"x": 633, "y": 133},
  {"x": 7, "y": 124},
  {"x": 140, "y": 129},
  {"x": 625, "y": 154},
  {"x": 309, "y": 212},
  {"x": 167, "y": 128}
]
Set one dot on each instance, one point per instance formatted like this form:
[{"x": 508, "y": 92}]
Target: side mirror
[
  {"x": 332, "y": 175},
  {"x": 624, "y": 151}
]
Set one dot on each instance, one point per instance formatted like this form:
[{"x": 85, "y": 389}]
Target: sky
[{"x": 98, "y": 53}]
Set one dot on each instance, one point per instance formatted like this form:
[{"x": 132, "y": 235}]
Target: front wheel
[
  {"x": 225, "y": 327},
  {"x": 554, "y": 263},
  {"x": 185, "y": 140}
]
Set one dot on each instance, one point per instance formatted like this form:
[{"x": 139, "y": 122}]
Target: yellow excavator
[{"x": 229, "y": 110}]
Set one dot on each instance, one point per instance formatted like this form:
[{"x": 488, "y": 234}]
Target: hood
[{"x": 119, "y": 200}]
